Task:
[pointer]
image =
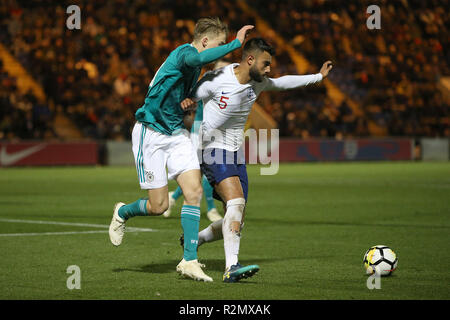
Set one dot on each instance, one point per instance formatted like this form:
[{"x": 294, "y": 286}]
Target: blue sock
[
  {"x": 178, "y": 193},
  {"x": 137, "y": 208},
  {"x": 208, "y": 191},
  {"x": 190, "y": 221}
]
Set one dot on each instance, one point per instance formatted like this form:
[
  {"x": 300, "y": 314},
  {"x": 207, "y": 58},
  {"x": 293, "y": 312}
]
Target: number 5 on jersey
[{"x": 224, "y": 105}]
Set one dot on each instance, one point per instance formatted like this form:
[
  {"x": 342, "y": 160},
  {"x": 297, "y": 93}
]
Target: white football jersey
[{"x": 227, "y": 104}]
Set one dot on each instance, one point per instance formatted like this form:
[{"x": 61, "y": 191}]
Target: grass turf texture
[{"x": 306, "y": 227}]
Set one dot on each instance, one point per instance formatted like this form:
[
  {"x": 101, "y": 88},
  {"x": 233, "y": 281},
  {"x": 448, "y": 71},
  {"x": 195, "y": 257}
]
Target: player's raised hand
[
  {"x": 326, "y": 67},
  {"x": 188, "y": 104},
  {"x": 242, "y": 34}
]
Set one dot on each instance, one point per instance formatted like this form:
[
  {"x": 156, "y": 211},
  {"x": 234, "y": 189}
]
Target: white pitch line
[
  {"x": 132, "y": 229},
  {"x": 49, "y": 233}
]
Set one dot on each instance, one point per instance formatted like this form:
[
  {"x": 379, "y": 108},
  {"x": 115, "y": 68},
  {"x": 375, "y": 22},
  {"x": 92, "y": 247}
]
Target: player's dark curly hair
[{"x": 257, "y": 44}]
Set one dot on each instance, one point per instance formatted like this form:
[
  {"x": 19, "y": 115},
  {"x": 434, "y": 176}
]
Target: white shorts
[{"x": 154, "y": 152}]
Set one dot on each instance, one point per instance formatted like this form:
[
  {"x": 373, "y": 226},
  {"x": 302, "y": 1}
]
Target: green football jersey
[{"x": 173, "y": 82}]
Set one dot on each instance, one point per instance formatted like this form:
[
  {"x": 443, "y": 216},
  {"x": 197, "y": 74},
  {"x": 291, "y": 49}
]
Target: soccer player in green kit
[
  {"x": 212, "y": 213},
  {"x": 161, "y": 146}
]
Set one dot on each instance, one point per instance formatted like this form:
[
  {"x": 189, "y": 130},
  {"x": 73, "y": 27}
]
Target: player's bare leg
[
  {"x": 156, "y": 203},
  {"x": 190, "y": 184}
]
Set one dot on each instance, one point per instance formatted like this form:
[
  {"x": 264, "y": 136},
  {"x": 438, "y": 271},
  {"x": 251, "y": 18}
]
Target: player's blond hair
[{"x": 210, "y": 25}]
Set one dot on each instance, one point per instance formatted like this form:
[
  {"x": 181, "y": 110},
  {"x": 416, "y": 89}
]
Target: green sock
[
  {"x": 208, "y": 191},
  {"x": 190, "y": 221},
  {"x": 178, "y": 193},
  {"x": 137, "y": 208}
]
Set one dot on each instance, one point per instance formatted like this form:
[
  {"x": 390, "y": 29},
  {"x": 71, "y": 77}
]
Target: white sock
[
  {"x": 232, "y": 239},
  {"x": 231, "y": 243},
  {"x": 211, "y": 233}
]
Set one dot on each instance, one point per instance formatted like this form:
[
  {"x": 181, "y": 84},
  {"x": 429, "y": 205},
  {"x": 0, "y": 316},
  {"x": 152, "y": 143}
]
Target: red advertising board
[
  {"x": 298, "y": 150},
  {"x": 289, "y": 150},
  {"x": 48, "y": 153},
  {"x": 346, "y": 150}
]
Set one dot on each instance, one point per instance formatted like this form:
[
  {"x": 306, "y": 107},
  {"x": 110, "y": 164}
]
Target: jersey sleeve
[
  {"x": 204, "y": 89},
  {"x": 196, "y": 59},
  {"x": 292, "y": 81}
]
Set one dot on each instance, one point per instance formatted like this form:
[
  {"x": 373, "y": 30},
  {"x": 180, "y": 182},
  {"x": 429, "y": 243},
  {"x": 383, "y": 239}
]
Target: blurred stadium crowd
[
  {"x": 392, "y": 73},
  {"x": 21, "y": 115},
  {"x": 99, "y": 75}
]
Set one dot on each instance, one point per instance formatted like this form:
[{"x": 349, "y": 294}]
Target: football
[{"x": 380, "y": 258}]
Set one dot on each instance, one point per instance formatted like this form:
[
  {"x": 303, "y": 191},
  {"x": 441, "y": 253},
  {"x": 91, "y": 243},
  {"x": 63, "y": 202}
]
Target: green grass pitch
[{"x": 307, "y": 227}]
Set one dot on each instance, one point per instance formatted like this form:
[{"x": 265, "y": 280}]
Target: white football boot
[
  {"x": 213, "y": 215},
  {"x": 166, "y": 213},
  {"x": 117, "y": 226},
  {"x": 193, "y": 269}
]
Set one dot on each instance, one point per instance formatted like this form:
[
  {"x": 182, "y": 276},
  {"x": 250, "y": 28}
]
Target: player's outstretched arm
[
  {"x": 294, "y": 81},
  {"x": 196, "y": 59}
]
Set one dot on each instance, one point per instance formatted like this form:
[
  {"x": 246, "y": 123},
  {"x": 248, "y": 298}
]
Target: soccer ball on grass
[{"x": 380, "y": 259}]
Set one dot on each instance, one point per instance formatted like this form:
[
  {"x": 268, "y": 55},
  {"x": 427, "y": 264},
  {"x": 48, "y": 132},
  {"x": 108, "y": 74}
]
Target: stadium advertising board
[
  {"x": 346, "y": 150},
  {"x": 48, "y": 153}
]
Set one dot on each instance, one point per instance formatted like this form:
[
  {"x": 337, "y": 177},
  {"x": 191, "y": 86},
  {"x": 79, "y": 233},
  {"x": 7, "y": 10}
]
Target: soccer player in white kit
[{"x": 228, "y": 94}]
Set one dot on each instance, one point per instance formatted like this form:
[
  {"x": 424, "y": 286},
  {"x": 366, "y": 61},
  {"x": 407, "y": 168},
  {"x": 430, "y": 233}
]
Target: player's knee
[
  {"x": 194, "y": 195},
  {"x": 157, "y": 208}
]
